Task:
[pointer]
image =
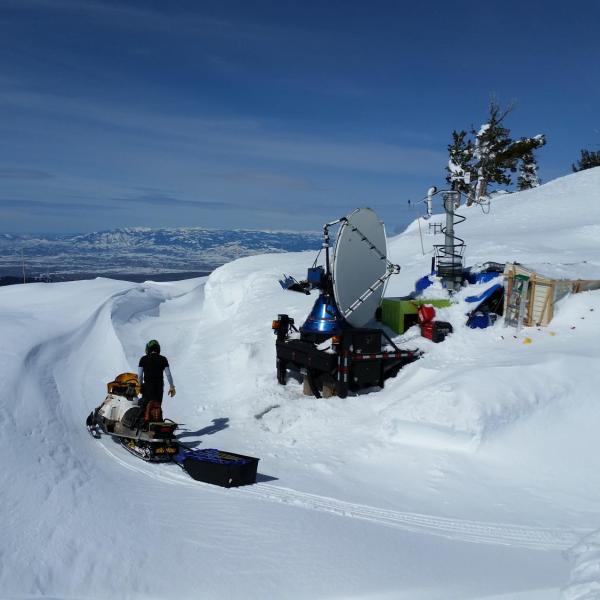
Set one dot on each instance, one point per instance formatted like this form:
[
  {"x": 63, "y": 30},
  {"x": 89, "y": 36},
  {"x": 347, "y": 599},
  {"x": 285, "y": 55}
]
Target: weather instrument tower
[{"x": 448, "y": 260}]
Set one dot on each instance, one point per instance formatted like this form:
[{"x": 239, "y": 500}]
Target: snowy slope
[{"x": 470, "y": 475}]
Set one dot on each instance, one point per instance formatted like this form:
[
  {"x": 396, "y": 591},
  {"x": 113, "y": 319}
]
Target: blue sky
[{"x": 272, "y": 114}]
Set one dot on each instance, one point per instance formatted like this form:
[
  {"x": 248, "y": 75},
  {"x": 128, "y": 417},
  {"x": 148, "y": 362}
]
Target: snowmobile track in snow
[
  {"x": 479, "y": 532},
  {"x": 455, "y": 529}
]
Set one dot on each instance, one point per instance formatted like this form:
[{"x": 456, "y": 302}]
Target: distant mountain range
[{"x": 141, "y": 250}]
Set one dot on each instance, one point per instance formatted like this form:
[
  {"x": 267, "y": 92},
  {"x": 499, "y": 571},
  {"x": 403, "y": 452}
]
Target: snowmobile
[{"x": 121, "y": 416}]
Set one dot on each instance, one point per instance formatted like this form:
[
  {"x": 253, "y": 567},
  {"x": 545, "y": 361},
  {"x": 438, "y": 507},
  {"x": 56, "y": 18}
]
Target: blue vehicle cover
[{"x": 485, "y": 295}]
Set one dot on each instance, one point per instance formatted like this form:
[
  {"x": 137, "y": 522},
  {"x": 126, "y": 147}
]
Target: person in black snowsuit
[{"x": 151, "y": 370}]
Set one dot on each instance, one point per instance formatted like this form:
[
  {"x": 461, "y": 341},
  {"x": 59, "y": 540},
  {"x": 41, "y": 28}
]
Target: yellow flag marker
[{"x": 527, "y": 340}]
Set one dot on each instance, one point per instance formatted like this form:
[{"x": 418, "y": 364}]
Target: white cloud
[{"x": 241, "y": 138}]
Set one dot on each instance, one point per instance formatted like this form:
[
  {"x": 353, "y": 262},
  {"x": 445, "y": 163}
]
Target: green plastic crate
[{"x": 400, "y": 313}]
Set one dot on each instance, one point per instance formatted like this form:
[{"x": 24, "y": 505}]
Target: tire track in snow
[{"x": 480, "y": 532}]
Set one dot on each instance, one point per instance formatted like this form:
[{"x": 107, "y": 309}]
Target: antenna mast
[{"x": 23, "y": 265}]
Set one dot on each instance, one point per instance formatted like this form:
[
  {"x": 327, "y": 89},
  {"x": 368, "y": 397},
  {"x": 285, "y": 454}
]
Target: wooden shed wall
[{"x": 541, "y": 293}]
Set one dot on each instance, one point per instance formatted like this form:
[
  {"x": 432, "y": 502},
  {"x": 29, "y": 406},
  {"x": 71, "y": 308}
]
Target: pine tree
[
  {"x": 460, "y": 170},
  {"x": 492, "y": 141},
  {"x": 528, "y": 176},
  {"x": 588, "y": 160},
  {"x": 490, "y": 158}
]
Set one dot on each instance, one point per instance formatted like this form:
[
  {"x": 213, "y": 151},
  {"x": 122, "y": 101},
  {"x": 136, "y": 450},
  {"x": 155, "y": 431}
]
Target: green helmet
[{"x": 152, "y": 346}]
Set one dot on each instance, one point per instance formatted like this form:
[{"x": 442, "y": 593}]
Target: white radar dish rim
[{"x": 359, "y": 263}]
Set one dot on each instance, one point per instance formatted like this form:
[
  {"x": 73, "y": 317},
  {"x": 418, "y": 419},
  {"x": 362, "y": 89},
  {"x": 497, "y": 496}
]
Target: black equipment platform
[
  {"x": 218, "y": 467},
  {"x": 359, "y": 358}
]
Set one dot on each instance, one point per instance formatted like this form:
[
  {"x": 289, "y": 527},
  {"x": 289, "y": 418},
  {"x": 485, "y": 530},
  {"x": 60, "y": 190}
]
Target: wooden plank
[
  {"x": 546, "y": 307},
  {"x": 551, "y": 296},
  {"x": 529, "y": 316}
]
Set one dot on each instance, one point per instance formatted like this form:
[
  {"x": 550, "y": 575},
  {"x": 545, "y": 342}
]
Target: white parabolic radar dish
[{"x": 359, "y": 266}]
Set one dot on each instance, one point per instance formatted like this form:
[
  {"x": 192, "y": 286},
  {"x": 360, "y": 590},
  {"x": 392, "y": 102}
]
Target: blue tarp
[{"x": 483, "y": 316}]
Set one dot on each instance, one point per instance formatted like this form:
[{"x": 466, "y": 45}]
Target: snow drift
[{"x": 468, "y": 476}]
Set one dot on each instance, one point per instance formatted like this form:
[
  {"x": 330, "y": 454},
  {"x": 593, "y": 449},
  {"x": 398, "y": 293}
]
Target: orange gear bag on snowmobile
[{"x": 125, "y": 384}]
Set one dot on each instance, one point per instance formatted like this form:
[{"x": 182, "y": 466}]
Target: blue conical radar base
[{"x": 324, "y": 319}]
